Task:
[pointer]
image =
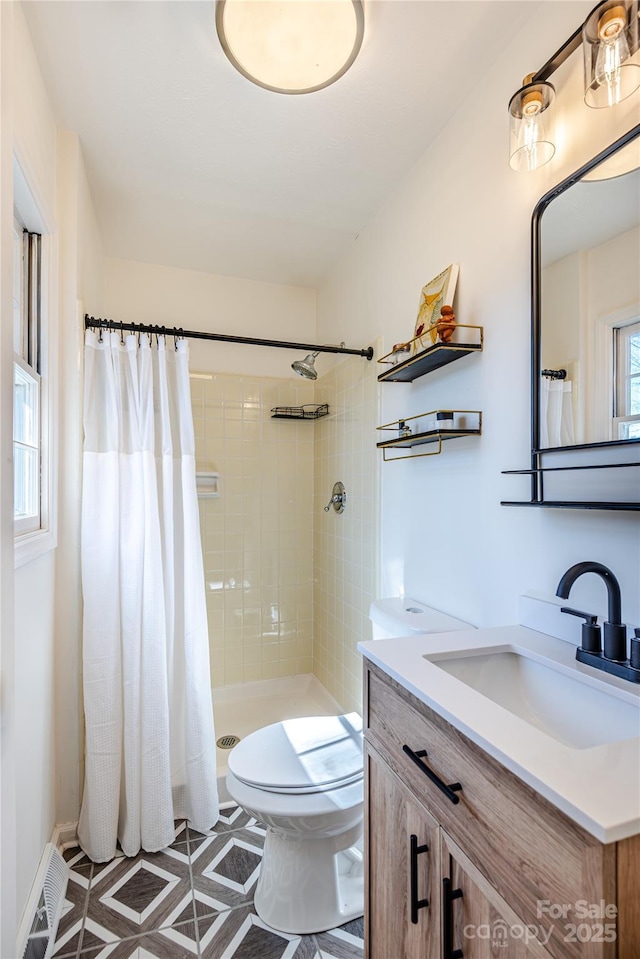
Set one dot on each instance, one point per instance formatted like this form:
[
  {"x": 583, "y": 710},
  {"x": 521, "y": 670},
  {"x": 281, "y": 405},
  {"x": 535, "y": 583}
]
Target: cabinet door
[
  {"x": 476, "y": 922},
  {"x": 402, "y": 843}
]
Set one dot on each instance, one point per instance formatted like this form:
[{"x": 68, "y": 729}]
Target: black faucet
[{"x": 614, "y": 659}]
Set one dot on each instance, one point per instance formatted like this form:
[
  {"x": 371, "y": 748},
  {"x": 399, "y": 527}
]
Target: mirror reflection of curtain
[{"x": 556, "y": 413}]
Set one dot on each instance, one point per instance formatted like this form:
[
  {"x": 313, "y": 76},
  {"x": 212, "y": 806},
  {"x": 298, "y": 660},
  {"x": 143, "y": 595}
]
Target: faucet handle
[
  {"x": 590, "y": 618},
  {"x": 591, "y": 641},
  {"x": 635, "y": 649}
]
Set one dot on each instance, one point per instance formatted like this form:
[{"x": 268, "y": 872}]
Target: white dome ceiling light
[{"x": 291, "y": 46}]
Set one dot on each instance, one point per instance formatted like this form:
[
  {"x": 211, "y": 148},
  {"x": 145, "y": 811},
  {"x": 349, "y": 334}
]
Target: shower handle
[{"x": 338, "y": 498}]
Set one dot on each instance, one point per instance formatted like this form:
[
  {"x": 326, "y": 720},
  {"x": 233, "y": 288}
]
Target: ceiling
[
  {"x": 193, "y": 166},
  {"x": 588, "y": 214}
]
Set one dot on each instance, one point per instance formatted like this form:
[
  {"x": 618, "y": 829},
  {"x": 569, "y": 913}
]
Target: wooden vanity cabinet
[
  {"x": 403, "y": 848},
  {"x": 482, "y": 924},
  {"x": 491, "y": 858}
]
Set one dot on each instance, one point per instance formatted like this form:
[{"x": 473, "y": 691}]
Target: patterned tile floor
[{"x": 193, "y": 899}]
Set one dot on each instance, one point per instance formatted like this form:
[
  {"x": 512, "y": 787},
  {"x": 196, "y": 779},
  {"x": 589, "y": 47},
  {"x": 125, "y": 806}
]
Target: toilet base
[{"x": 308, "y": 886}]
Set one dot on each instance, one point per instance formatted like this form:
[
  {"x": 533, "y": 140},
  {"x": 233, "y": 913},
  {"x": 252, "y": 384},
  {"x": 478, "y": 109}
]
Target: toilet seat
[
  {"x": 264, "y": 804},
  {"x": 314, "y": 754}
]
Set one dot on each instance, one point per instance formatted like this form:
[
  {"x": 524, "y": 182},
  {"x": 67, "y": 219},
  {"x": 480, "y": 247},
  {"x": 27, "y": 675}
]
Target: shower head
[{"x": 306, "y": 366}]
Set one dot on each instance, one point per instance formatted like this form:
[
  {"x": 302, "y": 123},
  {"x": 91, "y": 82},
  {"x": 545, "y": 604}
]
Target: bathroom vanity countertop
[{"x": 597, "y": 787}]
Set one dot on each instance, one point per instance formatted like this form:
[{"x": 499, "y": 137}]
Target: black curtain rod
[{"x": 91, "y": 322}]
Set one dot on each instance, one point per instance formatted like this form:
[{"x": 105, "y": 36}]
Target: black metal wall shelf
[
  {"x": 310, "y": 411},
  {"x": 424, "y": 437},
  {"x": 537, "y": 499},
  {"x": 562, "y": 504},
  {"x": 565, "y": 469},
  {"x": 434, "y": 357}
]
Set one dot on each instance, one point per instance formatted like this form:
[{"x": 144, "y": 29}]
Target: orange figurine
[{"x": 446, "y": 324}]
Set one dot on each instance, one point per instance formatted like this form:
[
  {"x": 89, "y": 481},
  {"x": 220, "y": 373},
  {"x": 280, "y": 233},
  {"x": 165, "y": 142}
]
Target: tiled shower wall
[
  {"x": 257, "y": 535},
  {"x": 288, "y": 585},
  {"x": 346, "y": 544}
]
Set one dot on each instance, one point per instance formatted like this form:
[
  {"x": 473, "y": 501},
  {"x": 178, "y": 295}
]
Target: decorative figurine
[
  {"x": 434, "y": 293},
  {"x": 400, "y": 352},
  {"x": 445, "y": 324}
]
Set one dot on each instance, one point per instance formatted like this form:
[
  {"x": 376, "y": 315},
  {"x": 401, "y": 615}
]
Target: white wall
[
  {"x": 585, "y": 295},
  {"x": 445, "y": 538},
  {"x": 345, "y": 545},
  {"x": 612, "y": 293},
  {"x": 34, "y": 140},
  {"x": 562, "y": 284},
  {"x": 145, "y": 293},
  {"x": 7, "y": 691},
  {"x": 81, "y": 262},
  {"x": 34, "y": 715},
  {"x": 41, "y": 599}
]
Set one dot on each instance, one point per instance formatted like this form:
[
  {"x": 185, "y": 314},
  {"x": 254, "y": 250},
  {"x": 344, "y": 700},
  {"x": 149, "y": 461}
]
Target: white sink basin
[{"x": 574, "y": 712}]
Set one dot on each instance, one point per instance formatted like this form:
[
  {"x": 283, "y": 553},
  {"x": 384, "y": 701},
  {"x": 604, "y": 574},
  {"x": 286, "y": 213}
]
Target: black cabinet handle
[
  {"x": 448, "y": 895},
  {"x": 414, "y": 851},
  {"x": 449, "y": 790}
]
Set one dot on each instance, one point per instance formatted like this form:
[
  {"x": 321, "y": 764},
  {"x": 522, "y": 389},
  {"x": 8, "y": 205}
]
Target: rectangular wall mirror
[
  {"x": 586, "y": 258},
  {"x": 585, "y": 357}
]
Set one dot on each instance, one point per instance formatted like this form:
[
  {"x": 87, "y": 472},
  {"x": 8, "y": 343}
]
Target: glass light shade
[
  {"x": 609, "y": 42},
  {"x": 291, "y": 46},
  {"x": 530, "y": 144}
]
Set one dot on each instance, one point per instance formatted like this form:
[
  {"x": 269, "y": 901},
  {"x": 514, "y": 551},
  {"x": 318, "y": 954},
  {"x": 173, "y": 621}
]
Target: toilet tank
[{"x": 402, "y": 616}]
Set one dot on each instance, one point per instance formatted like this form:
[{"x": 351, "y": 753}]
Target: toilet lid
[{"x": 306, "y": 755}]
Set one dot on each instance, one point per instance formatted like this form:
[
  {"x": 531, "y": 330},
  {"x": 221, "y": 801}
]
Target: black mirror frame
[
  {"x": 584, "y": 460},
  {"x": 536, "y": 318}
]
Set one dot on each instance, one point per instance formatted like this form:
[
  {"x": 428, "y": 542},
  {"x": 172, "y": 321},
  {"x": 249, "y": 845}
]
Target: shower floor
[{"x": 242, "y": 708}]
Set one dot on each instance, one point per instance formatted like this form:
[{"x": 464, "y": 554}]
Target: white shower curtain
[
  {"x": 150, "y": 743},
  {"x": 556, "y": 413}
]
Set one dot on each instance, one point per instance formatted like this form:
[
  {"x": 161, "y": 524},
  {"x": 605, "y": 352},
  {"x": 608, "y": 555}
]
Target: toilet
[{"x": 303, "y": 778}]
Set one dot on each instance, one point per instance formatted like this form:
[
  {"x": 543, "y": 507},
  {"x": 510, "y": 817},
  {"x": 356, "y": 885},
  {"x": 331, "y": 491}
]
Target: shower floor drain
[{"x": 227, "y": 742}]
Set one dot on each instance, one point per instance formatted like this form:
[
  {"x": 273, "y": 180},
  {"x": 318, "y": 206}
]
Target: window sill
[{"x": 29, "y": 546}]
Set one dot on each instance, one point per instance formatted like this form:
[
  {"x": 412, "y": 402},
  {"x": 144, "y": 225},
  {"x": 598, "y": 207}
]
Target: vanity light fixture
[
  {"x": 530, "y": 143},
  {"x": 609, "y": 38},
  {"x": 296, "y": 46},
  {"x": 611, "y": 47}
]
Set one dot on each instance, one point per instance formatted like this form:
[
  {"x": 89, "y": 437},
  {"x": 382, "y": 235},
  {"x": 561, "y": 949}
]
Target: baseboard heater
[{"x": 40, "y": 920}]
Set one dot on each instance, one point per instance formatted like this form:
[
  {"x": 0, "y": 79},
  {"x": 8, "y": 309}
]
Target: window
[
  {"x": 627, "y": 380},
  {"x": 27, "y": 425}
]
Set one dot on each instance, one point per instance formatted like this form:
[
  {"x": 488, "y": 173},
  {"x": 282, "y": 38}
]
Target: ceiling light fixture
[
  {"x": 609, "y": 37},
  {"x": 291, "y": 46}
]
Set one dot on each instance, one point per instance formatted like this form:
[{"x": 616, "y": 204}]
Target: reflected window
[{"x": 627, "y": 380}]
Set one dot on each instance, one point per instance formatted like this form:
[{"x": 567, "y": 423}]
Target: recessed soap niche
[{"x": 207, "y": 484}]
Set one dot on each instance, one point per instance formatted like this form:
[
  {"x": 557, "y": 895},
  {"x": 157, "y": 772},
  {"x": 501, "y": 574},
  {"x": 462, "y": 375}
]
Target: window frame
[
  {"x": 622, "y": 335},
  {"x": 602, "y": 381},
  {"x": 26, "y": 359},
  {"x": 30, "y": 522},
  {"x": 31, "y": 543}
]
